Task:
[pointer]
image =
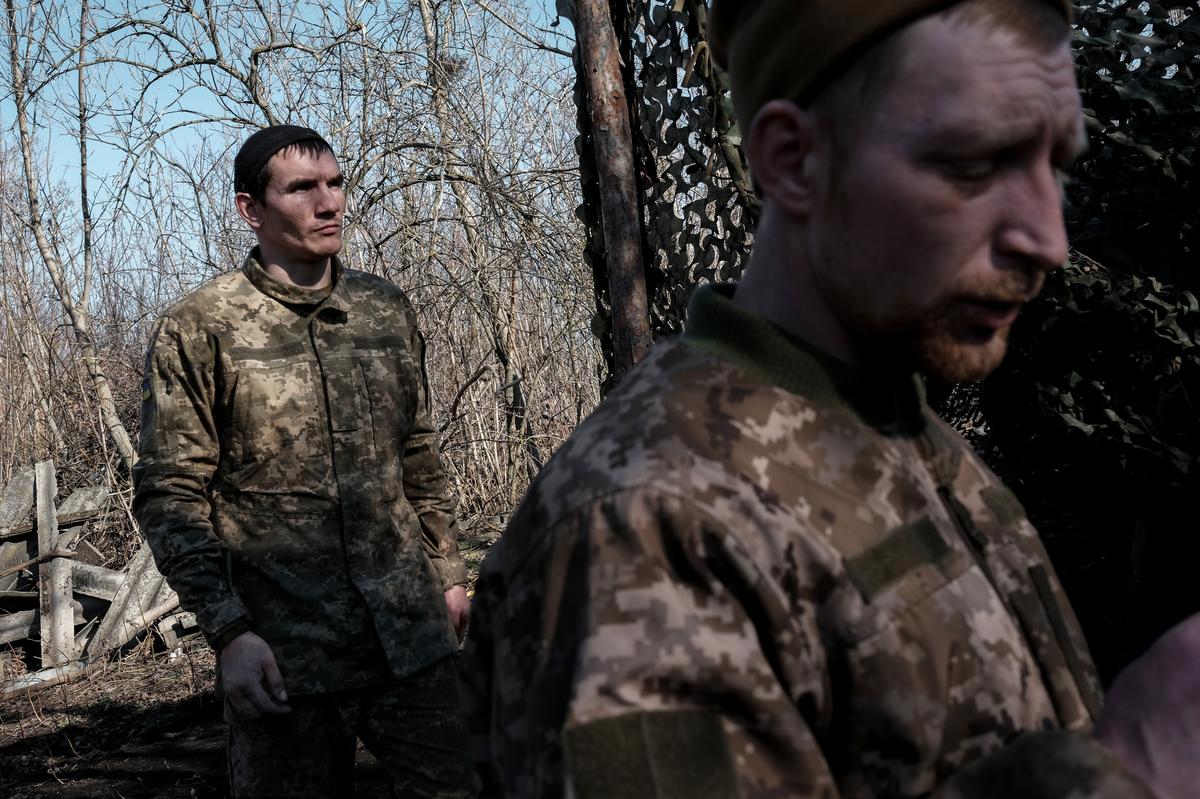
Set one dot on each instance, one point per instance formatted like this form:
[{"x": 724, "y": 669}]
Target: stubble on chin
[{"x": 953, "y": 357}]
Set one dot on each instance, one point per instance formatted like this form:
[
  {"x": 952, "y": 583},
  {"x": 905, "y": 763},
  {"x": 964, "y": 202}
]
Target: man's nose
[
  {"x": 1036, "y": 233},
  {"x": 329, "y": 200}
]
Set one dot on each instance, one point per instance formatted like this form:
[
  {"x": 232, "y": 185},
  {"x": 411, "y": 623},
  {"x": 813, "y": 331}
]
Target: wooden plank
[
  {"x": 89, "y": 500},
  {"x": 17, "y": 499},
  {"x": 54, "y": 576},
  {"x": 89, "y": 554},
  {"x": 172, "y": 628},
  {"x": 17, "y": 626},
  {"x": 134, "y": 606},
  {"x": 83, "y": 500},
  {"x": 96, "y": 581},
  {"x": 64, "y": 520},
  {"x": 13, "y": 553},
  {"x": 24, "y": 624},
  {"x": 15, "y": 504}
]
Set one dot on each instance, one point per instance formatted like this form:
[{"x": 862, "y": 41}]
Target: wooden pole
[
  {"x": 598, "y": 51},
  {"x": 54, "y": 576}
]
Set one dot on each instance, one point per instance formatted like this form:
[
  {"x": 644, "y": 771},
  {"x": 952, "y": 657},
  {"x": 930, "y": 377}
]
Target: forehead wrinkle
[{"x": 1004, "y": 88}]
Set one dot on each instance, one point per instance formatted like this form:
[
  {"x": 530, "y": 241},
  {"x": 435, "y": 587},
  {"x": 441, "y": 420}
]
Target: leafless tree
[{"x": 454, "y": 124}]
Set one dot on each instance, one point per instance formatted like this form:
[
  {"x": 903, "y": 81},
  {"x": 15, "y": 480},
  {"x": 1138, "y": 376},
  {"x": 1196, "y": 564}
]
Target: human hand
[
  {"x": 459, "y": 605},
  {"x": 251, "y": 679},
  {"x": 1151, "y": 720}
]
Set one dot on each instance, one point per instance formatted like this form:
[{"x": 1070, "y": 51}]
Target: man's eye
[{"x": 974, "y": 169}]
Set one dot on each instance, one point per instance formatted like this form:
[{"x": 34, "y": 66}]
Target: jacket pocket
[
  {"x": 391, "y": 394},
  {"x": 277, "y": 443}
]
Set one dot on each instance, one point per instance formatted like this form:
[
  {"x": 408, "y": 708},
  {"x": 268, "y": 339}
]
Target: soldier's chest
[
  {"x": 951, "y": 634},
  {"x": 293, "y": 390}
]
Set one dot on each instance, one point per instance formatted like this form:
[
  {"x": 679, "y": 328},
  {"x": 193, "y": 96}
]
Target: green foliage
[{"x": 1134, "y": 203}]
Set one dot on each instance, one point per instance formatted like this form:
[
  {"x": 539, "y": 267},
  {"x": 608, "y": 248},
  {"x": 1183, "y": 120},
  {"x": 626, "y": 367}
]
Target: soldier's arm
[
  {"x": 689, "y": 662},
  {"x": 177, "y": 456},
  {"x": 425, "y": 485}
]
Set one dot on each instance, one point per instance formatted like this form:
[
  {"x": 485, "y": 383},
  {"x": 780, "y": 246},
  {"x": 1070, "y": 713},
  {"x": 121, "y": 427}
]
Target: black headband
[{"x": 258, "y": 149}]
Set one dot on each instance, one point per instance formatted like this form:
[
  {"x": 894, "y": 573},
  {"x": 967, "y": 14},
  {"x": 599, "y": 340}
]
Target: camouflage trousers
[{"x": 413, "y": 727}]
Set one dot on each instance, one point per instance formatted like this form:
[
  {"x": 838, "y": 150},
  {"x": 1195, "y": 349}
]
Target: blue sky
[{"x": 57, "y": 143}]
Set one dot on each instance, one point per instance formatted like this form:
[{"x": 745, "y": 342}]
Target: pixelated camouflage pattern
[
  {"x": 864, "y": 605},
  {"x": 289, "y": 474},
  {"x": 413, "y": 727}
]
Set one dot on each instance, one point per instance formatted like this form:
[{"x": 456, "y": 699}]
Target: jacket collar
[
  {"x": 254, "y": 271},
  {"x": 880, "y": 398}
]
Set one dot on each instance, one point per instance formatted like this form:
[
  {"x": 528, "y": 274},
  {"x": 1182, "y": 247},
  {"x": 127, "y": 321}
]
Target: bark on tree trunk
[
  {"x": 76, "y": 312},
  {"x": 598, "y": 51}
]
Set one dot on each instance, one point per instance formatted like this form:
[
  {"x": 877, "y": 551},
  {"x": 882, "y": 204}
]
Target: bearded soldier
[
  {"x": 763, "y": 567},
  {"x": 291, "y": 489}
]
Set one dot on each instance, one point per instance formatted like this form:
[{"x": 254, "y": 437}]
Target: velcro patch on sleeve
[
  {"x": 902, "y": 550},
  {"x": 674, "y": 754}
]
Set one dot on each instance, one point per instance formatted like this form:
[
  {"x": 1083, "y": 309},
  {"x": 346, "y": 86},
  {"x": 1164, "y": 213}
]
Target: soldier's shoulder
[
  {"x": 194, "y": 308},
  {"x": 367, "y": 283},
  {"x": 682, "y": 415}
]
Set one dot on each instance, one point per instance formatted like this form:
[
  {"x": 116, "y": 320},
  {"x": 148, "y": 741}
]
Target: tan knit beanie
[{"x": 791, "y": 48}]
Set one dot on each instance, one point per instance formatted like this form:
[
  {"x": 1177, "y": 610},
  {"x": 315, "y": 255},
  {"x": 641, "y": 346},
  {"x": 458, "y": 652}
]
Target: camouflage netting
[
  {"x": 698, "y": 205},
  {"x": 1134, "y": 203},
  {"x": 1095, "y": 419}
]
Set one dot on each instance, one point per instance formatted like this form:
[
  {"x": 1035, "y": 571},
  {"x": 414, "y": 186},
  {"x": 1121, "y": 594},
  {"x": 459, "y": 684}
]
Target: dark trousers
[{"x": 413, "y": 727}]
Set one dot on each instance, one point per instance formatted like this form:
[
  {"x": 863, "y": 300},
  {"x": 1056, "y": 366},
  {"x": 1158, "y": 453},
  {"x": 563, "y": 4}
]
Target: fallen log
[
  {"x": 64, "y": 520},
  {"x": 96, "y": 581},
  {"x": 24, "y": 623},
  {"x": 57, "y": 675},
  {"x": 142, "y": 587}
]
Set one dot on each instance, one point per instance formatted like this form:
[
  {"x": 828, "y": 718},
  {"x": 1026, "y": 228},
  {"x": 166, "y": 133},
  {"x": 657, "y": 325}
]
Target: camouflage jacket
[
  {"x": 289, "y": 478},
  {"x": 753, "y": 572}
]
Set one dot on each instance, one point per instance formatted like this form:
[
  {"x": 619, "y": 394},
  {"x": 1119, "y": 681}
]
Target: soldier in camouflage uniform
[
  {"x": 290, "y": 486},
  {"x": 763, "y": 567}
]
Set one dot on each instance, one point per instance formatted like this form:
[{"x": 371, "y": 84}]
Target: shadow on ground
[{"x": 111, "y": 749}]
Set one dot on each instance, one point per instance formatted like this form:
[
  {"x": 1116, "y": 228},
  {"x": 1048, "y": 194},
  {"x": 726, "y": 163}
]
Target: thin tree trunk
[
  {"x": 500, "y": 323},
  {"x": 75, "y": 312},
  {"x": 84, "y": 205},
  {"x": 598, "y": 51},
  {"x": 55, "y": 435}
]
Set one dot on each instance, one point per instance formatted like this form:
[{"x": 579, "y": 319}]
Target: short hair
[
  {"x": 843, "y": 103},
  {"x": 256, "y": 185}
]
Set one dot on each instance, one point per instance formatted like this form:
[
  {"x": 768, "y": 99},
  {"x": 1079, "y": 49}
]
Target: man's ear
[
  {"x": 783, "y": 148},
  {"x": 249, "y": 209}
]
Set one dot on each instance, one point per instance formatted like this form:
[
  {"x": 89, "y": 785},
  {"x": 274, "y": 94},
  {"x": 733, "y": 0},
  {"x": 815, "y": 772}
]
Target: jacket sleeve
[
  {"x": 634, "y": 644},
  {"x": 177, "y": 456},
  {"x": 425, "y": 484}
]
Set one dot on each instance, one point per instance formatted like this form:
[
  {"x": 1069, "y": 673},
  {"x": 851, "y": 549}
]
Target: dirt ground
[{"x": 147, "y": 726}]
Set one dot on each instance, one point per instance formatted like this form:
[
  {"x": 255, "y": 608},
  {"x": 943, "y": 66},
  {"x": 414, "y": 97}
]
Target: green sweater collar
[{"x": 714, "y": 322}]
